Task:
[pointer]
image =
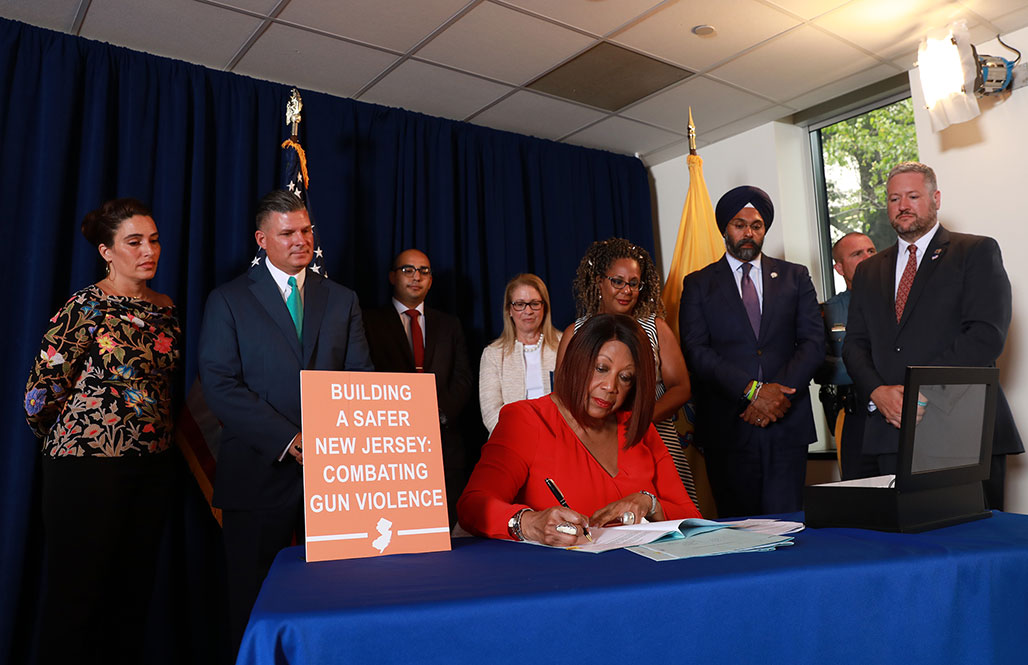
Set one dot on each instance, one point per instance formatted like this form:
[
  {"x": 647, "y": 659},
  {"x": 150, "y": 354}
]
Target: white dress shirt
[{"x": 755, "y": 276}]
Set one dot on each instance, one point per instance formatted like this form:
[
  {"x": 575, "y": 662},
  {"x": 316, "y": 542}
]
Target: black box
[{"x": 944, "y": 455}]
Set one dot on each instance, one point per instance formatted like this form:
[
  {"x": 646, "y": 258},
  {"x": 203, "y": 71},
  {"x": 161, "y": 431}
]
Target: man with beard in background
[{"x": 752, "y": 336}]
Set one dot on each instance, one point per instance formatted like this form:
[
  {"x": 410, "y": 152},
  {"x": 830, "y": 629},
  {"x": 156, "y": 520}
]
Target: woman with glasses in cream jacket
[{"x": 519, "y": 363}]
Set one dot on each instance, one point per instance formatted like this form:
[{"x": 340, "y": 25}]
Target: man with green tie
[{"x": 259, "y": 331}]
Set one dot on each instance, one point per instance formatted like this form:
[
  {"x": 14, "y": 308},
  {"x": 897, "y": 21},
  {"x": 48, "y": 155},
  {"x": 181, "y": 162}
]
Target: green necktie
[{"x": 295, "y": 308}]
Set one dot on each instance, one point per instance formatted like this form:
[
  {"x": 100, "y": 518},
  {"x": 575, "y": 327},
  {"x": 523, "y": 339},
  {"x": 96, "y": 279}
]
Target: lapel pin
[
  {"x": 774, "y": 275},
  {"x": 937, "y": 253}
]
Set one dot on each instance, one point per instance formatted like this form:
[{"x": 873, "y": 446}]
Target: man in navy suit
[
  {"x": 407, "y": 336},
  {"x": 934, "y": 298},
  {"x": 752, "y": 335},
  {"x": 258, "y": 332}
]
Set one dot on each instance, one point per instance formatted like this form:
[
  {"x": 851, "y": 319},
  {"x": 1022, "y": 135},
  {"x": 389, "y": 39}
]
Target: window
[{"x": 852, "y": 157}]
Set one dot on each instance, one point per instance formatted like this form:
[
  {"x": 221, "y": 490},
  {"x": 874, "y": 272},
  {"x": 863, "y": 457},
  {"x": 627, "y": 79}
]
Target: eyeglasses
[
  {"x": 410, "y": 270},
  {"x": 520, "y": 305},
  {"x": 618, "y": 283}
]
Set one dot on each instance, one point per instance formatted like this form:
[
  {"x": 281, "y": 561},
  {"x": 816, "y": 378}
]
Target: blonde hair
[{"x": 546, "y": 330}]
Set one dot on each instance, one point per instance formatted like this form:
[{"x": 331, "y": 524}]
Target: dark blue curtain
[{"x": 85, "y": 122}]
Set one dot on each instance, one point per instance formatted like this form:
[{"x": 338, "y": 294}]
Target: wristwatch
[
  {"x": 653, "y": 502},
  {"x": 514, "y": 525}
]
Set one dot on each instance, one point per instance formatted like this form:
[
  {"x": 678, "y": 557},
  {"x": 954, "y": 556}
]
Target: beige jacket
[{"x": 501, "y": 378}]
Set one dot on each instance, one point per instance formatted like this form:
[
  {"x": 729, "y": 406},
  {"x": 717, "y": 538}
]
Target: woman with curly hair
[
  {"x": 99, "y": 399},
  {"x": 618, "y": 277}
]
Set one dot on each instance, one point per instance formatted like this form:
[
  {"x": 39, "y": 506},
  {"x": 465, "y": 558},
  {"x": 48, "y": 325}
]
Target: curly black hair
[{"x": 595, "y": 264}]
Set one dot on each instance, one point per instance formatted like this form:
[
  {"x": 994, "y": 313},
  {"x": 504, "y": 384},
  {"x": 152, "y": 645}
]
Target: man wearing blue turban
[{"x": 752, "y": 336}]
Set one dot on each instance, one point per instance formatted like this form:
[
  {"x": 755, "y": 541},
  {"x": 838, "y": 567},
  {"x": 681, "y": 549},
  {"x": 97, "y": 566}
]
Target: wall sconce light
[{"x": 953, "y": 75}]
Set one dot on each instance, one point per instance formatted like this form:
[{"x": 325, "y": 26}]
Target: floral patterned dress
[{"x": 101, "y": 385}]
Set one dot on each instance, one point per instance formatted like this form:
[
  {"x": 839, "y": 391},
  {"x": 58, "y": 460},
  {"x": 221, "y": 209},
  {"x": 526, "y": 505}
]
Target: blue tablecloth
[{"x": 953, "y": 595}]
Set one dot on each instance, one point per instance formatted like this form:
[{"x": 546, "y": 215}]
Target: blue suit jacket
[
  {"x": 724, "y": 355},
  {"x": 250, "y": 361}
]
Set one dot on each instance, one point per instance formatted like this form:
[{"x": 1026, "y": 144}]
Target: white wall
[{"x": 982, "y": 167}]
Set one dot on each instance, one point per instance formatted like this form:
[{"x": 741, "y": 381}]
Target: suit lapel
[
  {"x": 267, "y": 294},
  {"x": 398, "y": 334},
  {"x": 886, "y": 276},
  {"x": 315, "y": 299},
  {"x": 770, "y": 286},
  {"x": 929, "y": 262},
  {"x": 431, "y": 338},
  {"x": 730, "y": 294}
]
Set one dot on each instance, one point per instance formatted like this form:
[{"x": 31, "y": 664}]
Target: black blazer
[
  {"x": 957, "y": 313},
  {"x": 250, "y": 361},
  {"x": 724, "y": 355},
  {"x": 446, "y": 357}
]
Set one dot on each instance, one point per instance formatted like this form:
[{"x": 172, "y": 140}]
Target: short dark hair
[
  {"x": 836, "y": 246},
  {"x": 277, "y": 200},
  {"x": 101, "y": 225},
  {"x": 571, "y": 383}
]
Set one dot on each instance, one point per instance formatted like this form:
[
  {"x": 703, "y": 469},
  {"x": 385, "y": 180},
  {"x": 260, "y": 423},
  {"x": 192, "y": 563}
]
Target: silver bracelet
[{"x": 653, "y": 502}]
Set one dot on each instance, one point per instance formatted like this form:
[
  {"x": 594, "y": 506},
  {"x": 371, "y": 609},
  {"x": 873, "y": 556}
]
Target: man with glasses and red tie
[
  {"x": 934, "y": 298},
  {"x": 752, "y": 336},
  {"x": 409, "y": 337}
]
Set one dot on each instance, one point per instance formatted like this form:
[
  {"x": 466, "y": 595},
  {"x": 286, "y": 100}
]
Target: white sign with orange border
[{"x": 372, "y": 465}]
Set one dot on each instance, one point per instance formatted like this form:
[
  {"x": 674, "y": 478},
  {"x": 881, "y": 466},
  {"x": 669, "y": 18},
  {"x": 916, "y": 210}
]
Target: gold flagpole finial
[
  {"x": 692, "y": 134},
  {"x": 293, "y": 108}
]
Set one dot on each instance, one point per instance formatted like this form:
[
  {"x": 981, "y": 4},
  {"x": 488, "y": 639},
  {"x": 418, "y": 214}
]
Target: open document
[{"x": 652, "y": 534}]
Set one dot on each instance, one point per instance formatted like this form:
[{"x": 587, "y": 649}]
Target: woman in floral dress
[{"x": 99, "y": 397}]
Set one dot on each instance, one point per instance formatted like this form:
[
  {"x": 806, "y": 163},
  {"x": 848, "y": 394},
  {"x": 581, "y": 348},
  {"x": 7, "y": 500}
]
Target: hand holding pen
[{"x": 566, "y": 528}]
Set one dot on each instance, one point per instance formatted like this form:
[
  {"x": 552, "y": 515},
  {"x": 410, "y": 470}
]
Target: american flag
[{"x": 294, "y": 170}]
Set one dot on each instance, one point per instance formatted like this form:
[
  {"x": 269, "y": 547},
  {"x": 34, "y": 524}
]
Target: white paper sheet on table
[{"x": 724, "y": 541}]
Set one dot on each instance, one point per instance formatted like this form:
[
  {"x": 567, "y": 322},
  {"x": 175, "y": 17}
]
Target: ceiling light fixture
[{"x": 704, "y": 30}]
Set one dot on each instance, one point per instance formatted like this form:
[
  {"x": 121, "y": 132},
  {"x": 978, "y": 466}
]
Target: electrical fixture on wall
[{"x": 953, "y": 75}]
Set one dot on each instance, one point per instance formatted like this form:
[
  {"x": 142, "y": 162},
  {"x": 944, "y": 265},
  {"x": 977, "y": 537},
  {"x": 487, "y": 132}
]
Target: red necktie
[
  {"x": 417, "y": 340},
  {"x": 906, "y": 281}
]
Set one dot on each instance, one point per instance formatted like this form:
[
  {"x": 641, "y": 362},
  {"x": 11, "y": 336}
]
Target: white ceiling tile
[
  {"x": 790, "y": 65},
  {"x": 1012, "y": 21},
  {"x": 841, "y": 87},
  {"x": 419, "y": 86},
  {"x": 394, "y": 24},
  {"x": 262, "y": 7},
  {"x": 666, "y": 153},
  {"x": 993, "y": 9},
  {"x": 306, "y": 60},
  {"x": 622, "y": 135},
  {"x": 529, "y": 113},
  {"x": 745, "y": 124},
  {"x": 181, "y": 29},
  {"x": 503, "y": 44},
  {"x": 808, "y": 9},
  {"x": 52, "y": 14},
  {"x": 889, "y": 28},
  {"x": 713, "y": 104},
  {"x": 668, "y": 33},
  {"x": 596, "y": 16}
]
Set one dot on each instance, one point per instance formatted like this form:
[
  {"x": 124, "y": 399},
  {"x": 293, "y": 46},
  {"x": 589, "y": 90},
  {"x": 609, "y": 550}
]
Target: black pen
[{"x": 560, "y": 499}]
